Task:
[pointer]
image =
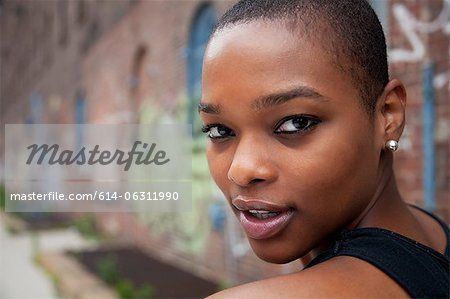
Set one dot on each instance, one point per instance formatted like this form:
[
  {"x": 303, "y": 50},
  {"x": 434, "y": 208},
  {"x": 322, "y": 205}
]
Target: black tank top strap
[{"x": 418, "y": 269}]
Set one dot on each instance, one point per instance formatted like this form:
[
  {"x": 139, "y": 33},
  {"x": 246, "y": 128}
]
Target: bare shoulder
[{"x": 340, "y": 277}]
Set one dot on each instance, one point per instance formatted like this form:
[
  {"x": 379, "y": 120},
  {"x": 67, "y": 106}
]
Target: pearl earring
[{"x": 392, "y": 145}]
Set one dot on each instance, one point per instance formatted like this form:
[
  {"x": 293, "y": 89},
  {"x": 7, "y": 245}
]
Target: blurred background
[{"x": 131, "y": 61}]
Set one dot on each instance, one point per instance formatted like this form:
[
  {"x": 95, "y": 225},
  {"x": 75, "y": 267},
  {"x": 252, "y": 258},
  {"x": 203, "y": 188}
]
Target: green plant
[
  {"x": 124, "y": 288},
  {"x": 107, "y": 269},
  {"x": 223, "y": 285},
  {"x": 127, "y": 290},
  {"x": 86, "y": 225},
  {"x": 144, "y": 292},
  {"x": 2, "y": 197}
]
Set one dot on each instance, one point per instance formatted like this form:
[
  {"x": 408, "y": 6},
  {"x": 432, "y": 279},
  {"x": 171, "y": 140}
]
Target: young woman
[{"x": 303, "y": 123}]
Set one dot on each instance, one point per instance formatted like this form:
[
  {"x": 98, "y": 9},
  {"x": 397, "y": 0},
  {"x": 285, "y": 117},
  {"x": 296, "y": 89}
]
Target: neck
[
  {"x": 385, "y": 199},
  {"x": 385, "y": 209}
]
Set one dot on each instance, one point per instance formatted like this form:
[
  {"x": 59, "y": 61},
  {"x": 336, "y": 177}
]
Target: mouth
[
  {"x": 262, "y": 219},
  {"x": 263, "y": 214}
]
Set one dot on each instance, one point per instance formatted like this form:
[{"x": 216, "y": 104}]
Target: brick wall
[{"x": 42, "y": 44}]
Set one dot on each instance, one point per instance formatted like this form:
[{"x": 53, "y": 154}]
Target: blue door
[{"x": 202, "y": 26}]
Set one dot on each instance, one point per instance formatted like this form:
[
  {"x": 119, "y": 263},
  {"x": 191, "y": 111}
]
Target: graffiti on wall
[{"x": 414, "y": 30}]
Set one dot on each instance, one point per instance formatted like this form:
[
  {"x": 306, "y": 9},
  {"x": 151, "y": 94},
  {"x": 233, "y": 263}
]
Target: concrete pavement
[{"x": 20, "y": 276}]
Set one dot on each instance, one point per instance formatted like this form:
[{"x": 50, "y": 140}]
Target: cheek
[{"x": 334, "y": 180}]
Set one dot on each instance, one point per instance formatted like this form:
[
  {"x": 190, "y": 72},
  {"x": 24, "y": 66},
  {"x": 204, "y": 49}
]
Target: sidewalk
[{"x": 20, "y": 277}]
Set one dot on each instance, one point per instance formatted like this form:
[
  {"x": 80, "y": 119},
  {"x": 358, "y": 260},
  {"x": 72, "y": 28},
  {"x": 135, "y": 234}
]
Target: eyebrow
[
  {"x": 208, "y": 108},
  {"x": 270, "y": 100},
  {"x": 279, "y": 98}
]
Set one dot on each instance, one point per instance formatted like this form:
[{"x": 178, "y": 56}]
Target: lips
[{"x": 261, "y": 219}]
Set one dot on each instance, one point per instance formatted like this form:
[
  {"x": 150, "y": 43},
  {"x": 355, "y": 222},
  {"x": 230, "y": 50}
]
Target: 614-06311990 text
[{"x": 97, "y": 195}]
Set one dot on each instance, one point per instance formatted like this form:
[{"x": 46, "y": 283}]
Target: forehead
[
  {"x": 257, "y": 44},
  {"x": 259, "y": 36},
  {"x": 262, "y": 56}
]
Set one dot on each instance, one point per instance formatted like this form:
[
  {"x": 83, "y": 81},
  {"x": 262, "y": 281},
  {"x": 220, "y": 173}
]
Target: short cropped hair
[{"x": 348, "y": 30}]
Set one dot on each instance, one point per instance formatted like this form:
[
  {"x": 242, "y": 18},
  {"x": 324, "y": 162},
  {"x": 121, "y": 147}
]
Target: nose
[{"x": 252, "y": 163}]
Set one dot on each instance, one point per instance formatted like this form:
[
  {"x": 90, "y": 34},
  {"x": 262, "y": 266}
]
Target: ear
[{"x": 391, "y": 111}]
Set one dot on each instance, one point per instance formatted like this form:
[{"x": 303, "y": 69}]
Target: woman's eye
[
  {"x": 217, "y": 131},
  {"x": 296, "y": 124}
]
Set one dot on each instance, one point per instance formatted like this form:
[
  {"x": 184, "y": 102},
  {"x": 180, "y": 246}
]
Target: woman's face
[{"x": 290, "y": 145}]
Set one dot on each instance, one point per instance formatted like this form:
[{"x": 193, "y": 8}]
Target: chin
[{"x": 274, "y": 252}]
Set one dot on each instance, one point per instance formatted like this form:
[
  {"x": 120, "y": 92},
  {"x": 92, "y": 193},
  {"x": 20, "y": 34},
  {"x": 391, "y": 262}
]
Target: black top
[{"x": 418, "y": 269}]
